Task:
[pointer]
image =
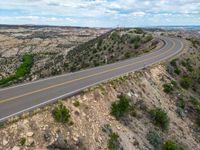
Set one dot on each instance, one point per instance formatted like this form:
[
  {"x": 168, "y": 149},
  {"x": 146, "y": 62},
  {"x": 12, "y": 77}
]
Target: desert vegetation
[
  {"x": 111, "y": 47},
  {"x": 121, "y": 107},
  {"x": 22, "y": 70},
  {"x": 154, "y": 138},
  {"x": 61, "y": 114},
  {"x": 159, "y": 118},
  {"x": 187, "y": 77}
]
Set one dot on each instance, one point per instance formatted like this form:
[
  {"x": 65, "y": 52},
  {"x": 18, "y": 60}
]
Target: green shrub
[
  {"x": 136, "y": 39},
  {"x": 21, "y": 71},
  {"x": 113, "y": 142},
  {"x": 139, "y": 31},
  {"x": 180, "y": 112},
  {"x": 196, "y": 107},
  {"x": 148, "y": 38},
  {"x": 23, "y": 141},
  {"x": 185, "y": 82},
  {"x": 183, "y": 63},
  {"x": 76, "y": 103},
  {"x": 121, "y": 107},
  {"x": 194, "y": 101},
  {"x": 198, "y": 121},
  {"x": 154, "y": 138},
  {"x": 171, "y": 145},
  {"x": 160, "y": 118},
  {"x": 2, "y": 125},
  {"x": 61, "y": 114},
  {"x": 188, "y": 65},
  {"x": 173, "y": 63},
  {"x": 194, "y": 41},
  {"x": 25, "y": 67},
  {"x": 100, "y": 41},
  {"x": 196, "y": 75},
  {"x": 174, "y": 83},
  {"x": 181, "y": 103},
  {"x": 168, "y": 88},
  {"x": 136, "y": 45},
  {"x": 177, "y": 71},
  {"x": 127, "y": 55}
]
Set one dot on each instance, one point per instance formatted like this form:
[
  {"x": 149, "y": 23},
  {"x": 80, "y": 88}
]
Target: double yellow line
[{"x": 67, "y": 82}]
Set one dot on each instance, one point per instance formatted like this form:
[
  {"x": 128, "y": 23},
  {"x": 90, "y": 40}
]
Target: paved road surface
[{"x": 17, "y": 99}]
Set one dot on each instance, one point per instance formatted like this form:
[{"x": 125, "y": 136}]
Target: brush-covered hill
[{"x": 118, "y": 44}]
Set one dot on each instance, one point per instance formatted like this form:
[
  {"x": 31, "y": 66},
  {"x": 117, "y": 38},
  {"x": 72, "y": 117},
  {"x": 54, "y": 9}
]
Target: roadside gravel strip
[{"x": 25, "y": 97}]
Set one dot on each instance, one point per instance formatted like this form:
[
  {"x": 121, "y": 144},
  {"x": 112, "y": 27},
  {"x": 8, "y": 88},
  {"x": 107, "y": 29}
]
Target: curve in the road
[{"x": 18, "y": 99}]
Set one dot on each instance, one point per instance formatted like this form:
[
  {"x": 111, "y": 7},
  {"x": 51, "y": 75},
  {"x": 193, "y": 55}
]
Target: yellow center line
[{"x": 67, "y": 82}]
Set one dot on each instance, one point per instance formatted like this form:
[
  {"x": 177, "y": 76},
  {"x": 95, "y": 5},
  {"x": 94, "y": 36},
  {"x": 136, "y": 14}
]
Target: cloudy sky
[{"x": 100, "y": 13}]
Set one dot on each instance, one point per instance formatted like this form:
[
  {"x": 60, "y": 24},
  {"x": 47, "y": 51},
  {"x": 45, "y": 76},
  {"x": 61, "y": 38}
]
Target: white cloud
[
  {"x": 104, "y": 12},
  {"x": 36, "y": 20},
  {"x": 138, "y": 14}
]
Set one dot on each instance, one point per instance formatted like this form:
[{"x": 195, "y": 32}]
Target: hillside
[{"x": 111, "y": 47}]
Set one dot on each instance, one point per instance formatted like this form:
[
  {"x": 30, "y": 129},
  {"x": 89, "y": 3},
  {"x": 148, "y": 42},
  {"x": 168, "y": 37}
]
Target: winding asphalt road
[{"x": 25, "y": 97}]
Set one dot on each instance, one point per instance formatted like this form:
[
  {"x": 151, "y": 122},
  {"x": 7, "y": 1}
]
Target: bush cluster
[
  {"x": 21, "y": 71},
  {"x": 168, "y": 88},
  {"x": 196, "y": 108},
  {"x": 139, "y": 31},
  {"x": 121, "y": 107},
  {"x": 61, "y": 113},
  {"x": 173, "y": 62},
  {"x": 23, "y": 141},
  {"x": 113, "y": 142},
  {"x": 171, "y": 145},
  {"x": 154, "y": 138},
  {"x": 76, "y": 103},
  {"x": 176, "y": 69},
  {"x": 136, "y": 41},
  {"x": 185, "y": 82},
  {"x": 160, "y": 118}
]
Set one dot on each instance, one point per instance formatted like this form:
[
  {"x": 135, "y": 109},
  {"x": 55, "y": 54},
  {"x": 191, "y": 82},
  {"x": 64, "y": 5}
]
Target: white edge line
[
  {"x": 68, "y": 74},
  {"x": 76, "y": 91}
]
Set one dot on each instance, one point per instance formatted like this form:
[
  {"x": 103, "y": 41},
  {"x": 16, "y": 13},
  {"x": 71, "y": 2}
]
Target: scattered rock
[
  {"x": 5, "y": 142},
  {"x": 30, "y": 142},
  {"x": 75, "y": 138},
  {"x": 60, "y": 143},
  {"x": 29, "y": 134},
  {"x": 15, "y": 148},
  {"x": 129, "y": 94}
]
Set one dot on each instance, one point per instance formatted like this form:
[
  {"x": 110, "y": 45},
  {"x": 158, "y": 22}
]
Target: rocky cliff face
[{"x": 92, "y": 122}]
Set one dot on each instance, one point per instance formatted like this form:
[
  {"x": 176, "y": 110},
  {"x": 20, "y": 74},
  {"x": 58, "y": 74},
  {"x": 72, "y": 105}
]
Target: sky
[{"x": 101, "y": 13}]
